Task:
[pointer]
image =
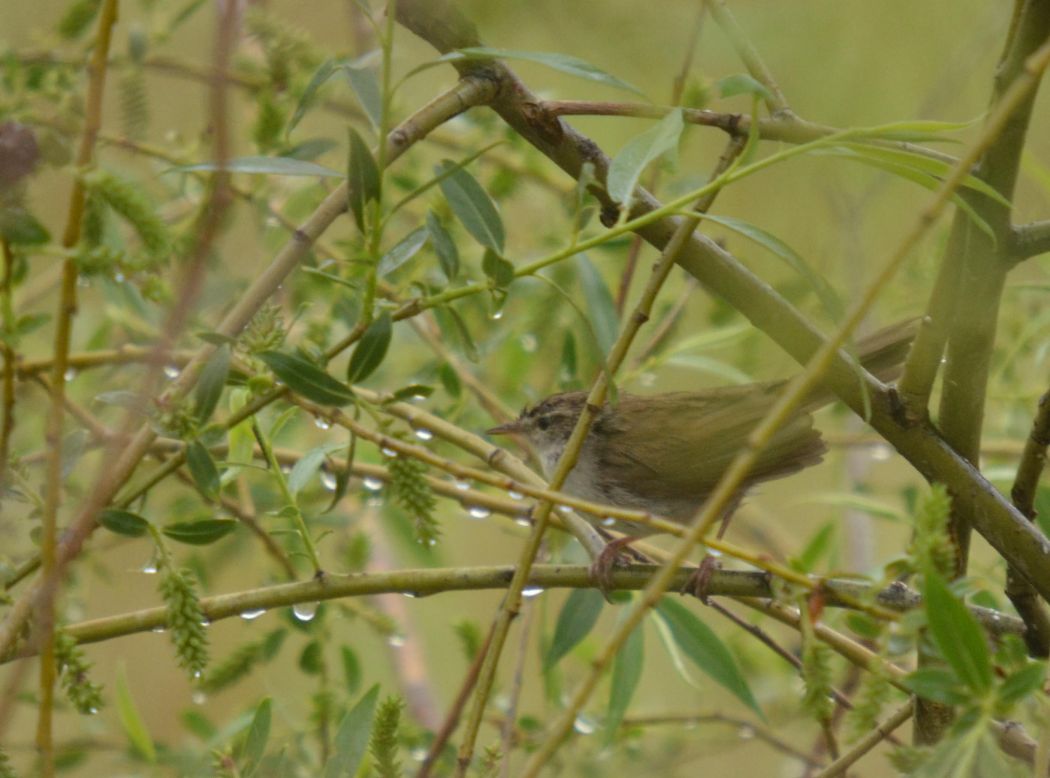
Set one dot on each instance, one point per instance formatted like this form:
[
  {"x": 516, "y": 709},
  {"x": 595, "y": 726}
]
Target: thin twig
[{"x": 881, "y": 732}]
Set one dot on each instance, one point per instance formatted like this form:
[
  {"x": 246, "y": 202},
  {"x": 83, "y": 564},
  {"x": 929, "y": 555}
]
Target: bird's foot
[
  {"x": 698, "y": 583},
  {"x": 610, "y": 556}
]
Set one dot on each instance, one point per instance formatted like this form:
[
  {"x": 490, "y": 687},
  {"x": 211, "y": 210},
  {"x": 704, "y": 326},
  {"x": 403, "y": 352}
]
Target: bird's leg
[
  {"x": 610, "y": 556},
  {"x": 701, "y": 578}
]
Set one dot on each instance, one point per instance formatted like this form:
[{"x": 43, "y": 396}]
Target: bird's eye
[{"x": 543, "y": 422}]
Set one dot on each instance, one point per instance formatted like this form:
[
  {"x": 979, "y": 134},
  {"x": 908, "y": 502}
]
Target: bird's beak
[{"x": 505, "y": 429}]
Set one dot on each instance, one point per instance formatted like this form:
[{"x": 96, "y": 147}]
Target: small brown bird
[{"x": 664, "y": 453}]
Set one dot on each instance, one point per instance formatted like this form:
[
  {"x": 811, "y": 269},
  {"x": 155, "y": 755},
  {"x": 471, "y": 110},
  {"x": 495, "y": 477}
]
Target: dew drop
[
  {"x": 205, "y": 621},
  {"x": 608, "y": 521},
  {"x": 423, "y": 433},
  {"x": 463, "y": 485},
  {"x": 70, "y": 374},
  {"x": 171, "y": 371},
  {"x": 478, "y": 512},
  {"x": 529, "y": 343},
  {"x": 410, "y": 595},
  {"x": 159, "y": 629},
  {"x": 746, "y": 732},
  {"x": 252, "y": 614},
  {"x": 304, "y": 611},
  {"x": 714, "y": 552},
  {"x": 199, "y": 698},
  {"x": 328, "y": 480},
  {"x": 389, "y": 452},
  {"x": 372, "y": 483},
  {"x": 321, "y": 424},
  {"x": 119, "y": 277},
  {"x": 523, "y": 521},
  {"x": 515, "y": 495},
  {"x": 197, "y": 674},
  {"x": 150, "y": 568},
  {"x": 531, "y": 591},
  {"x": 418, "y": 754},
  {"x": 497, "y": 315},
  {"x": 395, "y": 641},
  {"x": 92, "y": 711},
  {"x": 584, "y": 725}
]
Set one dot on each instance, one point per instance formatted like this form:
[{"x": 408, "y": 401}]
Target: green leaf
[
  {"x": 211, "y": 383},
  {"x": 371, "y": 349},
  {"x": 404, "y": 250},
  {"x": 320, "y": 76},
  {"x": 131, "y": 721},
  {"x": 576, "y": 618},
  {"x": 311, "y": 660},
  {"x": 365, "y": 84},
  {"x": 351, "y": 739},
  {"x": 626, "y": 673},
  {"x": 123, "y": 522},
  {"x": 202, "y": 468},
  {"x": 200, "y": 533},
  {"x": 825, "y": 293},
  {"x": 818, "y": 546},
  {"x": 307, "y": 379},
  {"x": 937, "y": 684},
  {"x": 627, "y": 166},
  {"x": 742, "y": 84},
  {"x": 19, "y": 226},
  {"x": 363, "y": 179},
  {"x": 277, "y": 166},
  {"x": 498, "y": 270},
  {"x": 601, "y": 310},
  {"x": 958, "y": 635},
  {"x": 444, "y": 246},
  {"x": 258, "y": 734},
  {"x": 351, "y": 669},
  {"x": 472, "y": 205},
  {"x": 1021, "y": 683},
  {"x": 560, "y": 62},
  {"x": 454, "y": 328},
  {"x": 306, "y": 468},
  {"x": 412, "y": 391},
  {"x": 704, "y": 648}
]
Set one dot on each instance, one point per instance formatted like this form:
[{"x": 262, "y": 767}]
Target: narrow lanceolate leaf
[
  {"x": 626, "y": 673},
  {"x": 444, "y": 247},
  {"x": 958, "y": 635},
  {"x": 306, "y": 468},
  {"x": 351, "y": 740},
  {"x": 825, "y": 293},
  {"x": 742, "y": 84},
  {"x": 123, "y": 522},
  {"x": 704, "y": 648},
  {"x": 203, "y": 469},
  {"x": 366, "y": 87},
  {"x": 307, "y": 379},
  {"x": 403, "y": 250},
  {"x": 601, "y": 310},
  {"x": 472, "y": 205},
  {"x": 626, "y": 168},
  {"x": 574, "y": 66},
  {"x": 255, "y": 743},
  {"x": 318, "y": 80},
  {"x": 362, "y": 177},
  {"x": 578, "y": 615},
  {"x": 200, "y": 533},
  {"x": 275, "y": 166},
  {"x": 498, "y": 270},
  {"x": 131, "y": 721},
  {"x": 211, "y": 383},
  {"x": 371, "y": 349}
]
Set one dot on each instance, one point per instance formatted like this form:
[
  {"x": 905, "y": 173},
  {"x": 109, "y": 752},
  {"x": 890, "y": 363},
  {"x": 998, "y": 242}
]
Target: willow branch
[
  {"x": 881, "y": 732},
  {"x": 1029, "y": 240},
  {"x": 67, "y": 305},
  {"x": 463, "y": 95}
]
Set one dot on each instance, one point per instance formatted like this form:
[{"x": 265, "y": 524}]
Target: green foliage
[
  {"x": 931, "y": 546},
  {"x": 384, "y": 742},
  {"x": 186, "y": 621},
  {"x": 6, "y": 771},
  {"x": 410, "y": 489},
  {"x": 242, "y": 661},
  {"x": 84, "y": 695},
  {"x": 132, "y": 203}
]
